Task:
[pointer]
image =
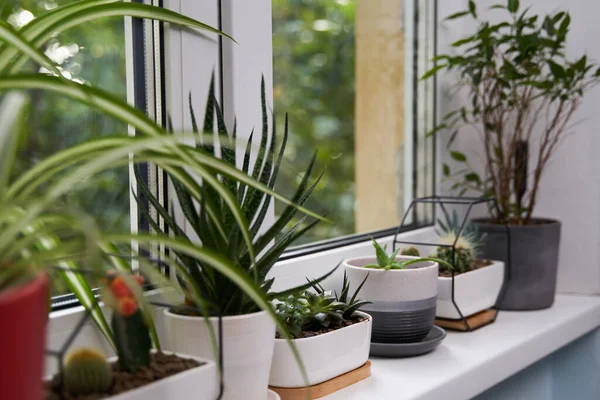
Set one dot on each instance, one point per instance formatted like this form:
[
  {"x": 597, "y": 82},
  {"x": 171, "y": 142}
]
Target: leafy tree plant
[
  {"x": 319, "y": 310},
  {"x": 520, "y": 82}
]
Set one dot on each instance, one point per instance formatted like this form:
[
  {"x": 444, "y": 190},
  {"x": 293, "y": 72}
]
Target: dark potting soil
[
  {"x": 476, "y": 265},
  {"x": 161, "y": 366},
  {"x": 345, "y": 323}
]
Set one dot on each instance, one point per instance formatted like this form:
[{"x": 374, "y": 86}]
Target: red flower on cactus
[
  {"x": 127, "y": 306},
  {"x": 119, "y": 288}
]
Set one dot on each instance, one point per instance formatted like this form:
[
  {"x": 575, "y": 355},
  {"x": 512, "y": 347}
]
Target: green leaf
[
  {"x": 457, "y": 15},
  {"x": 463, "y": 41},
  {"x": 473, "y": 177},
  {"x": 437, "y": 129},
  {"x": 497, "y": 6},
  {"x": 433, "y": 71},
  {"x": 382, "y": 257},
  {"x": 9, "y": 35},
  {"x": 581, "y": 64},
  {"x": 82, "y": 16},
  {"x": 11, "y": 111},
  {"x": 446, "y": 169},
  {"x": 458, "y": 156},
  {"x": 513, "y": 6},
  {"x": 472, "y": 8},
  {"x": 564, "y": 25},
  {"x": 557, "y": 70}
]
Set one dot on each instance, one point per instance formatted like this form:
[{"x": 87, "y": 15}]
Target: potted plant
[
  {"x": 477, "y": 281},
  {"x": 403, "y": 292},
  {"x": 523, "y": 91},
  {"x": 137, "y": 372},
  {"x": 220, "y": 305},
  {"x": 331, "y": 335}
]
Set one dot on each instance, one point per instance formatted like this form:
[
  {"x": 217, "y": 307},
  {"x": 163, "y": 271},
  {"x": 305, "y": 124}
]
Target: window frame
[{"x": 162, "y": 52}]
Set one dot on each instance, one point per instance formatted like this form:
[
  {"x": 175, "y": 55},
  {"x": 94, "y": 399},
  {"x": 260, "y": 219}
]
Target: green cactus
[
  {"x": 131, "y": 335},
  {"x": 463, "y": 258},
  {"x": 87, "y": 371},
  {"x": 410, "y": 251}
]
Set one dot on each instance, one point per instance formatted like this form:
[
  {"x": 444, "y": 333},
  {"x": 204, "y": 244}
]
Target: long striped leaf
[
  {"x": 11, "y": 36},
  {"x": 120, "y": 9},
  {"x": 11, "y": 109}
]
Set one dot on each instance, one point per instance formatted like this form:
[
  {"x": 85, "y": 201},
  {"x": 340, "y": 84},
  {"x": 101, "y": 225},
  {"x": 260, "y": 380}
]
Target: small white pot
[
  {"x": 197, "y": 383},
  {"x": 248, "y": 342},
  {"x": 474, "y": 291},
  {"x": 324, "y": 356},
  {"x": 403, "y": 301}
]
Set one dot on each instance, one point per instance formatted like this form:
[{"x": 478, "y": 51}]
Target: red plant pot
[{"x": 23, "y": 318}]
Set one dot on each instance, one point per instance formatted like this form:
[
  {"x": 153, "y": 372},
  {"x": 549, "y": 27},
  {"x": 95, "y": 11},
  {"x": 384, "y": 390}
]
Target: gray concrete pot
[
  {"x": 404, "y": 301},
  {"x": 530, "y": 282}
]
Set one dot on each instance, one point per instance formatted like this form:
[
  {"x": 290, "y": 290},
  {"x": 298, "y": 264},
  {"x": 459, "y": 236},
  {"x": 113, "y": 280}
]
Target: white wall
[{"x": 570, "y": 189}]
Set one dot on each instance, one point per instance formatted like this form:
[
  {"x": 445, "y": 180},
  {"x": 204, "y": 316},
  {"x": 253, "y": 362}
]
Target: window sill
[{"x": 466, "y": 364}]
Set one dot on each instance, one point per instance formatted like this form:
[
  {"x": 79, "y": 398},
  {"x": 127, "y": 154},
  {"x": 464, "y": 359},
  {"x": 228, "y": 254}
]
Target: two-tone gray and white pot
[{"x": 404, "y": 301}]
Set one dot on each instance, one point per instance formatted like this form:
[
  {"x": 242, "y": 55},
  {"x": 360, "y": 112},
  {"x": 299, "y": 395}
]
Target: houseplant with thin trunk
[{"x": 523, "y": 93}]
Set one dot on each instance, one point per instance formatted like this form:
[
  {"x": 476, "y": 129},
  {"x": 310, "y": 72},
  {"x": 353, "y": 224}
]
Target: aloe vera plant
[
  {"x": 389, "y": 262},
  {"x": 213, "y": 223}
]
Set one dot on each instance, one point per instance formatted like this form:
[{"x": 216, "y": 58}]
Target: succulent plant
[
  {"x": 410, "y": 251},
  {"x": 86, "y": 371},
  {"x": 131, "y": 334},
  {"x": 322, "y": 309},
  {"x": 389, "y": 262},
  {"x": 467, "y": 246}
]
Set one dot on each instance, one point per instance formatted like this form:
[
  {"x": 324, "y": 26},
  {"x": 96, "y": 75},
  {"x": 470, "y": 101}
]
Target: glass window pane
[
  {"x": 93, "y": 53},
  {"x": 347, "y": 73}
]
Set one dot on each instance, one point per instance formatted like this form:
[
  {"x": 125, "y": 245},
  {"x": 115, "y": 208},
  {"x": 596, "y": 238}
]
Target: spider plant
[
  {"x": 213, "y": 223},
  {"x": 36, "y": 234}
]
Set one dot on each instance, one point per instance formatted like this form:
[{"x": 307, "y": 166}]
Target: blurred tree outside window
[{"x": 339, "y": 72}]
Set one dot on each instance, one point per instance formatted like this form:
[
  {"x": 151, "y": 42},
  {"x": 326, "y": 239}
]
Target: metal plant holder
[{"x": 469, "y": 202}]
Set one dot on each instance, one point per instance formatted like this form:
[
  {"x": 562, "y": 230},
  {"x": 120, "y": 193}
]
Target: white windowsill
[{"x": 466, "y": 364}]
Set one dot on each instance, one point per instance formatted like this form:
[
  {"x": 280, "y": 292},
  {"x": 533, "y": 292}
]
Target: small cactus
[
  {"x": 410, "y": 251},
  {"x": 464, "y": 253},
  {"x": 132, "y": 339},
  {"x": 87, "y": 371}
]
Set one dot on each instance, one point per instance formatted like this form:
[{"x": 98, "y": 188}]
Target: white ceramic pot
[
  {"x": 404, "y": 301},
  {"x": 197, "y": 383},
  {"x": 474, "y": 291},
  {"x": 324, "y": 356},
  {"x": 248, "y": 342}
]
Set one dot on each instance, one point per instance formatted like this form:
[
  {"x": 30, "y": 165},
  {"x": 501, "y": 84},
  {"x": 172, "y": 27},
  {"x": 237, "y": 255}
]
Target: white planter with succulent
[
  {"x": 332, "y": 337},
  {"x": 403, "y": 292},
  {"x": 477, "y": 282}
]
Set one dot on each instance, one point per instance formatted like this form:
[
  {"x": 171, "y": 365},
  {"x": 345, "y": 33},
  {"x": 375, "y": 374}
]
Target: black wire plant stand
[
  {"x": 469, "y": 202},
  {"x": 60, "y": 354}
]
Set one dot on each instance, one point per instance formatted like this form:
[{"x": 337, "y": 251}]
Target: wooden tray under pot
[
  {"x": 327, "y": 387},
  {"x": 475, "y": 321}
]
